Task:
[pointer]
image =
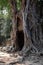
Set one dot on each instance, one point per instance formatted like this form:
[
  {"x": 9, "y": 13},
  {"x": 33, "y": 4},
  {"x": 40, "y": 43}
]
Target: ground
[{"x": 15, "y": 59}]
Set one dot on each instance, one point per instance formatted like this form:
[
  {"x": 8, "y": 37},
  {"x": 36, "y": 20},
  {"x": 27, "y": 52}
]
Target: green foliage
[
  {"x": 5, "y": 27},
  {"x": 5, "y": 21},
  {"x": 18, "y": 4},
  {"x": 4, "y": 3},
  {"x": 5, "y": 14}
]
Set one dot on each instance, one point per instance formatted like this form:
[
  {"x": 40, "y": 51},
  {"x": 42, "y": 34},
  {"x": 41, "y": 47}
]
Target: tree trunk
[
  {"x": 30, "y": 24},
  {"x": 14, "y": 24}
]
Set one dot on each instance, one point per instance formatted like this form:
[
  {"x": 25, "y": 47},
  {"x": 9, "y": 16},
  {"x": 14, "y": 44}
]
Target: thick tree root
[{"x": 27, "y": 50}]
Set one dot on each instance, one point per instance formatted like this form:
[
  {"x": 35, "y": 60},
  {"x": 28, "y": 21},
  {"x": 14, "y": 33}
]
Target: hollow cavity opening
[{"x": 20, "y": 39}]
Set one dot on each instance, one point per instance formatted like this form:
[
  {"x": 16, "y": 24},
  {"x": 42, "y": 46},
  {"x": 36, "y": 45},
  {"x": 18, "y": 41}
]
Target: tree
[
  {"x": 32, "y": 28},
  {"x": 31, "y": 17},
  {"x": 31, "y": 25}
]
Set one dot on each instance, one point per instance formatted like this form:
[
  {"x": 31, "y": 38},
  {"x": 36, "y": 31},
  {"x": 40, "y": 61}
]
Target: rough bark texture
[
  {"x": 14, "y": 23},
  {"x": 31, "y": 22},
  {"x": 32, "y": 27}
]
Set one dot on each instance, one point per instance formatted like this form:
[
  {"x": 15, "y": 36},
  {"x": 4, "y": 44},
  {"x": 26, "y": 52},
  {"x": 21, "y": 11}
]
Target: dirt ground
[{"x": 16, "y": 59}]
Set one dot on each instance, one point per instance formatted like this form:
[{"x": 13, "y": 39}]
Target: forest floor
[{"x": 15, "y": 59}]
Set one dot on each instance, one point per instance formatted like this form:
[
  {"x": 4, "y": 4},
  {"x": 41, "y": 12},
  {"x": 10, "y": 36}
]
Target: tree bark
[
  {"x": 14, "y": 23},
  {"x": 30, "y": 24}
]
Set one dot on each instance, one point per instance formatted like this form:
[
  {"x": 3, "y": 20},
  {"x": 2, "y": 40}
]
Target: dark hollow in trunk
[{"x": 20, "y": 40}]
